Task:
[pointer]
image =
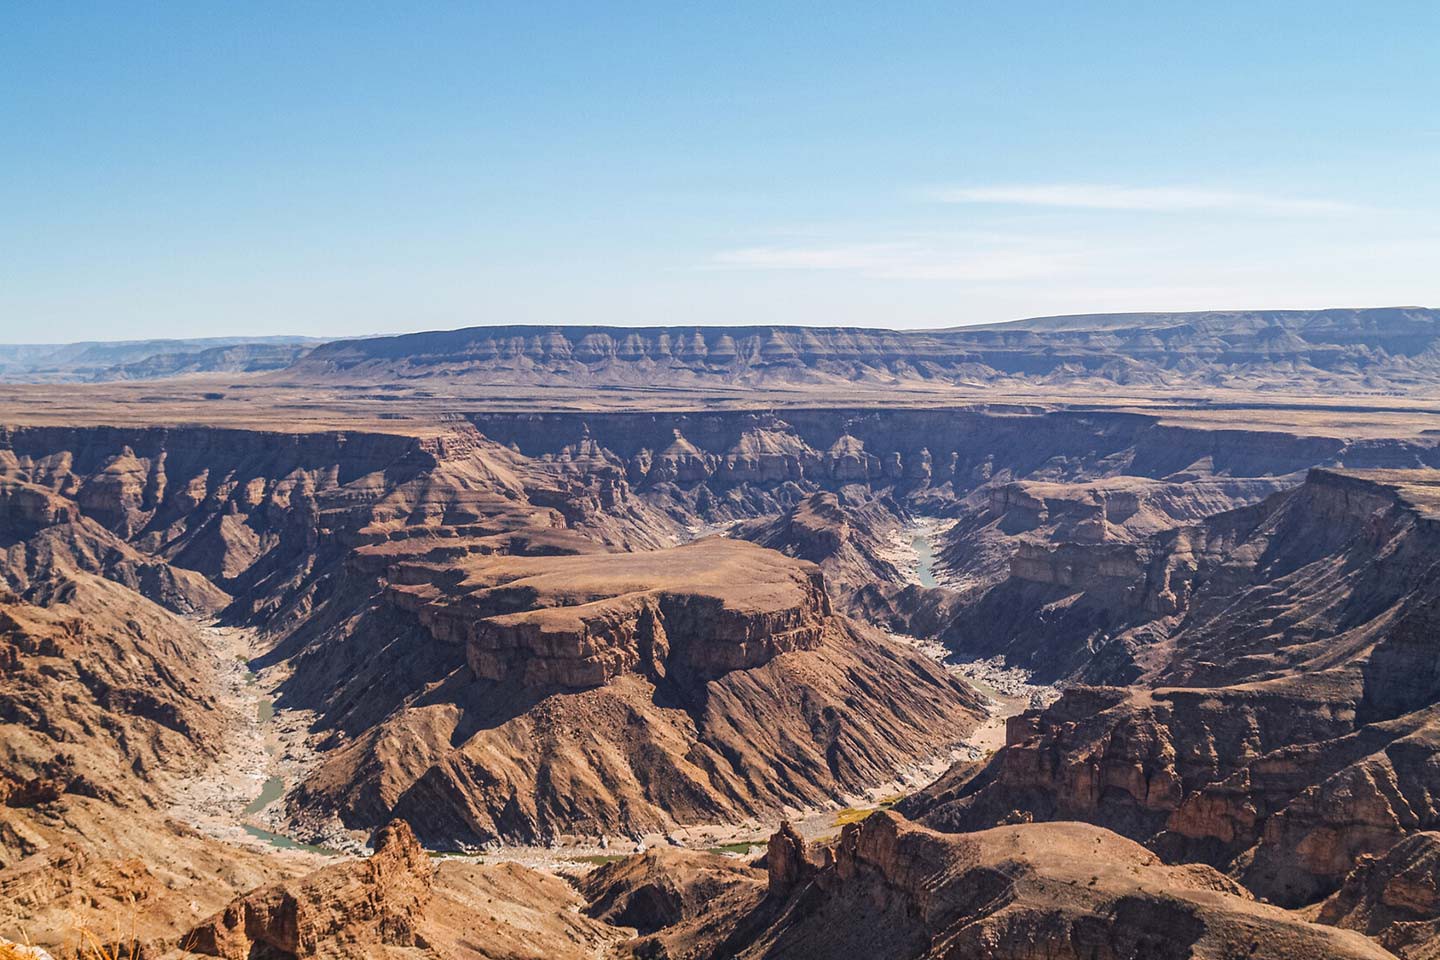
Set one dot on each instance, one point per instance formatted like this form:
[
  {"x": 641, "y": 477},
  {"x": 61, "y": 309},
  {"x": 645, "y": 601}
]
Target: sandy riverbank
[
  {"x": 913, "y": 549},
  {"x": 266, "y": 752}
]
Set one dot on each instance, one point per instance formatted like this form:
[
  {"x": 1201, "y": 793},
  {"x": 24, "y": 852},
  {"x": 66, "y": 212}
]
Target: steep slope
[
  {"x": 627, "y": 693},
  {"x": 848, "y": 537},
  {"x": 707, "y": 701},
  {"x": 1300, "y": 734},
  {"x": 107, "y": 703},
  {"x": 102, "y": 693}
]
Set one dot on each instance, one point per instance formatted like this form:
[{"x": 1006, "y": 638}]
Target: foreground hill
[{"x": 886, "y": 889}]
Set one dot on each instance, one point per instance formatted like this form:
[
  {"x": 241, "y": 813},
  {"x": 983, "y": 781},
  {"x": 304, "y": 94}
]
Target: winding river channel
[
  {"x": 272, "y": 789},
  {"x": 270, "y": 751}
]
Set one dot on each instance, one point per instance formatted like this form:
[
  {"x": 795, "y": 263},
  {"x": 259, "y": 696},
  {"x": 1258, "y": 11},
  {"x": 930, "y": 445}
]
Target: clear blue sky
[{"x": 332, "y": 169}]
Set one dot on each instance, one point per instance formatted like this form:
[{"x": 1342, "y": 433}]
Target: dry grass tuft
[{"x": 82, "y": 944}]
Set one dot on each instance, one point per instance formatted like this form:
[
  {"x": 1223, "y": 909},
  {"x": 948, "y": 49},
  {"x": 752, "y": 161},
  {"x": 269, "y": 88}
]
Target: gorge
[{"x": 367, "y": 654}]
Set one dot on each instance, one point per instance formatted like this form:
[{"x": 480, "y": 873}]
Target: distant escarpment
[
  {"x": 1335, "y": 350},
  {"x": 146, "y": 359}
]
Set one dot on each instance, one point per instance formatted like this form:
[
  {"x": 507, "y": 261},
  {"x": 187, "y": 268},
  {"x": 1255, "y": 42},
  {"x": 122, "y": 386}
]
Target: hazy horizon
[
  {"x": 543, "y": 324},
  {"x": 209, "y": 171}
]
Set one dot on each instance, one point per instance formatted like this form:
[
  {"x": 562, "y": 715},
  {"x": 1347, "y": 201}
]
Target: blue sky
[{"x": 332, "y": 169}]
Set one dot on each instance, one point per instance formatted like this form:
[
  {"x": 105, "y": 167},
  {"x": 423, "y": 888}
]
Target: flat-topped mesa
[
  {"x": 698, "y": 611},
  {"x": 1337, "y": 350}
]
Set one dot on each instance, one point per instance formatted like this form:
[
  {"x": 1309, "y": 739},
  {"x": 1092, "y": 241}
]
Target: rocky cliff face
[
  {"x": 827, "y": 448},
  {"x": 1291, "y": 753},
  {"x": 1247, "y": 593},
  {"x": 1273, "y": 782},
  {"x": 698, "y": 611},
  {"x": 1002, "y": 519},
  {"x": 1128, "y": 760},
  {"x": 400, "y": 902},
  {"x": 1393, "y": 898},
  {"x": 336, "y": 911},
  {"x": 251, "y": 512}
]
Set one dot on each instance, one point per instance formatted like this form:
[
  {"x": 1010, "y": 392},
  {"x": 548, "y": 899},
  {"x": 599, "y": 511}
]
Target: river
[
  {"x": 924, "y": 559},
  {"x": 266, "y": 749}
]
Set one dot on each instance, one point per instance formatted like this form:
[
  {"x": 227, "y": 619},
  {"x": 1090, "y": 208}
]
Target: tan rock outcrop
[
  {"x": 401, "y": 902},
  {"x": 337, "y": 911},
  {"x": 1067, "y": 891},
  {"x": 1394, "y": 898}
]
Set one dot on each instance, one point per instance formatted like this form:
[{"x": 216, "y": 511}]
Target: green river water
[
  {"x": 925, "y": 554},
  {"x": 273, "y": 789}
]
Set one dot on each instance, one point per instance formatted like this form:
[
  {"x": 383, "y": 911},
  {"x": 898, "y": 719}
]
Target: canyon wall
[{"x": 457, "y": 704}]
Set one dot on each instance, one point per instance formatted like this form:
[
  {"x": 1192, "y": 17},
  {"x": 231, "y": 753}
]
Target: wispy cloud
[
  {"x": 906, "y": 260},
  {"x": 1097, "y": 196}
]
